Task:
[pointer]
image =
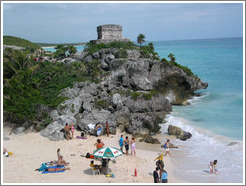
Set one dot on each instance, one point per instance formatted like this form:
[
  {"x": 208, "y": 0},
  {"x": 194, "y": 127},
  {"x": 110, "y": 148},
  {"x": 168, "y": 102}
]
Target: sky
[{"x": 77, "y": 22}]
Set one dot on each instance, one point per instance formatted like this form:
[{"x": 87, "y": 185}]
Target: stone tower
[{"x": 109, "y": 33}]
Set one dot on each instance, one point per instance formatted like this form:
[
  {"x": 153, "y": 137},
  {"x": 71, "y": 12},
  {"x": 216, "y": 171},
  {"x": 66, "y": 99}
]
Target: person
[
  {"x": 166, "y": 146},
  {"x": 107, "y": 128},
  {"x": 215, "y": 166},
  {"x": 72, "y": 129},
  {"x": 67, "y": 131},
  {"x": 211, "y": 167},
  {"x": 99, "y": 144},
  {"x": 160, "y": 164},
  {"x": 121, "y": 143},
  {"x": 98, "y": 129},
  {"x": 164, "y": 176},
  {"x": 90, "y": 156},
  {"x": 126, "y": 143},
  {"x": 58, "y": 153},
  {"x": 133, "y": 145},
  {"x": 4, "y": 150},
  {"x": 45, "y": 168},
  {"x": 156, "y": 176},
  {"x": 61, "y": 161},
  {"x": 94, "y": 167}
]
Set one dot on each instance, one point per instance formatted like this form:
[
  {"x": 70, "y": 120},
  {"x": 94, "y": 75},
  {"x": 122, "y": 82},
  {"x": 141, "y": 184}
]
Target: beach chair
[{"x": 95, "y": 171}]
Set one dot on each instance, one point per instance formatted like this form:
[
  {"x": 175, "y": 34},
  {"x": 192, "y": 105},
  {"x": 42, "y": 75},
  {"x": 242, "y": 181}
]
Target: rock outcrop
[
  {"x": 178, "y": 132},
  {"x": 135, "y": 96}
]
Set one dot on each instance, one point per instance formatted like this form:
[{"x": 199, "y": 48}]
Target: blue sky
[{"x": 69, "y": 22}]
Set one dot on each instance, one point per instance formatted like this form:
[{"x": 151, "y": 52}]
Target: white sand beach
[{"x": 31, "y": 150}]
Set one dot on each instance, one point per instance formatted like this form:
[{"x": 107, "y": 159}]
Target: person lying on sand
[{"x": 45, "y": 168}]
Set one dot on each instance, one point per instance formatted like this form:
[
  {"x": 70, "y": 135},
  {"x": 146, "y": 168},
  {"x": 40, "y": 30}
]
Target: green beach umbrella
[{"x": 107, "y": 152}]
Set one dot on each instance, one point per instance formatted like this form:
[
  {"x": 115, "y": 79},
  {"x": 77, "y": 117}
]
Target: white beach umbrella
[{"x": 107, "y": 152}]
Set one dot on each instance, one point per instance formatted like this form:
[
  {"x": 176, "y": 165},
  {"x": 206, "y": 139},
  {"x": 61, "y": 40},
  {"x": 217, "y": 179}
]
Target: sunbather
[{"x": 45, "y": 168}]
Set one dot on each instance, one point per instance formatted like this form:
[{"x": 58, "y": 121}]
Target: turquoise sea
[{"x": 215, "y": 119}]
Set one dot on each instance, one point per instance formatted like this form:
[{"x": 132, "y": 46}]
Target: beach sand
[{"x": 31, "y": 150}]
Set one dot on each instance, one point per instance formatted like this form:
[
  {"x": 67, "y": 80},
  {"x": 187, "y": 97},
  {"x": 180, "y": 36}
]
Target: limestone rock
[
  {"x": 19, "y": 130},
  {"x": 178, "y": 132}
]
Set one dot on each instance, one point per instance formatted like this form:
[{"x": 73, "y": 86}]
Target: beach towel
[
  {"x": 78, "y": 137},
  {"x": 46, "y": 172}
]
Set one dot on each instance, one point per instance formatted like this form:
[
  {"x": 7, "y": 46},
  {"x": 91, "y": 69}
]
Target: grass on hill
[{"x": 11, "y": 40}]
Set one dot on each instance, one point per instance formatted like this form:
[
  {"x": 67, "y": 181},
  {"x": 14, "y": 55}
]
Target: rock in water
[{"x": 178, "y": 132}]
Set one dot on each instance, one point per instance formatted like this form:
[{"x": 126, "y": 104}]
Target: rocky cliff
[{"x": 135, "y": 95}]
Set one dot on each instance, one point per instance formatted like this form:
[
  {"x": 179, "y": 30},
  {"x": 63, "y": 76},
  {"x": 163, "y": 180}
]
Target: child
[
  {"x": 215, "y": 166},
  {"x": 72, "y": 129},
  {"x": 211, "y": 167},
  {"x": 133, "y": 145}
]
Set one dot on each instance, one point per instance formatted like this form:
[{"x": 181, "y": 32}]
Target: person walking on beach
[
  {"x": 215, "y": 166},
  {"x": 72, "y": 129},
  {"x": 166, "y": 146},
  {"x": 164, "y": 177},
  {"x": 121, "y": 143},
  {"x": 156, "y": 175},
  {"x": 107, "y": 128},
  {"x": 126, "y": 144},
  {"x": 133, "y": 145}
]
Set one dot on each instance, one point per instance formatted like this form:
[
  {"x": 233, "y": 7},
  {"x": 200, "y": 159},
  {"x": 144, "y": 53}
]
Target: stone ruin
[{"x": 109, "y": 33}]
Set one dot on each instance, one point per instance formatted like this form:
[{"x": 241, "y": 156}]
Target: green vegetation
[
  {"x": 102, "y": 104},
  {"x": 28, "y": 84},
  {"x": 147, "y": 96},
  {"x": 172, "y": 62},
  {"x": 91, "y": 48},
  {"x": 141, "y": 39},
  {"x": 135, "y": 95},
  {"x": 148, "y": 51},
  {"x": 11, "y": 40},
  {"x": 121, "y": 53},
  {"x": 62, "y": 49}
]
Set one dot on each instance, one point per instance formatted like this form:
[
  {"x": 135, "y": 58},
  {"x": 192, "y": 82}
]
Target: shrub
[
  {"x": 147, "y": 96},
  {"x": 101, "y": 104},
  {"x": 91, "y": 48},
  {"x": 121, "y": 53},
  {"x": 135, "y": 95}
]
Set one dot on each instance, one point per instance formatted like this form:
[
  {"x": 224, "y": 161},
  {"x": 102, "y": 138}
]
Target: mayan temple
[{"x": 109, "y": 33}]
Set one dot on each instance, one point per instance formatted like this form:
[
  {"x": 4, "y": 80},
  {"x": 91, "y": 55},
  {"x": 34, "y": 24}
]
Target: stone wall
[{"x": 109, "y": 33}]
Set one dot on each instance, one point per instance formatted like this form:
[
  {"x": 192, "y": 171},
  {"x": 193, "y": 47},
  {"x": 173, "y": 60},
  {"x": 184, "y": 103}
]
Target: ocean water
[
  {"x": 79, "y": 48},
  {"x": 215, "y": 119}
]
